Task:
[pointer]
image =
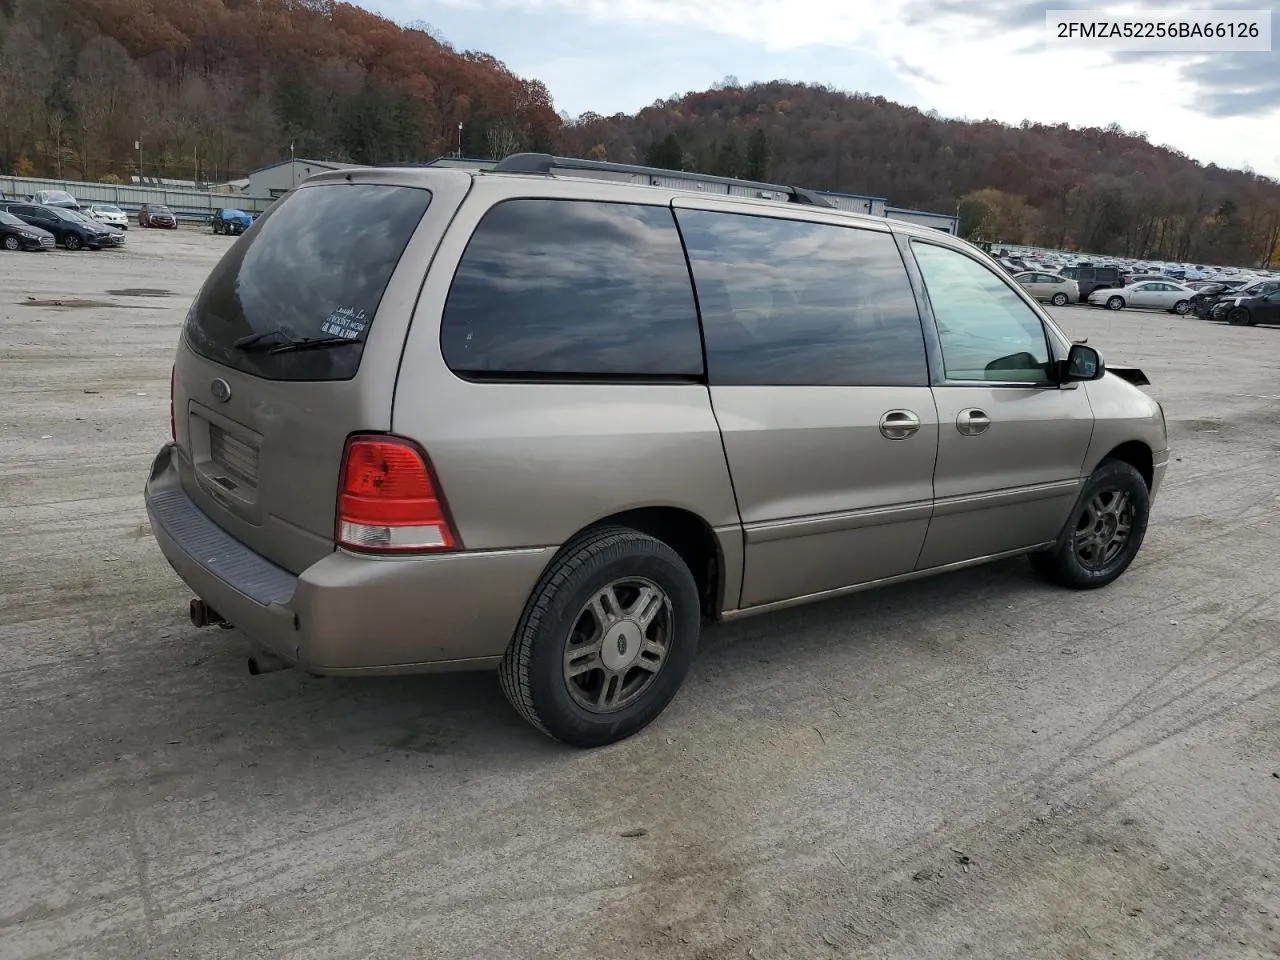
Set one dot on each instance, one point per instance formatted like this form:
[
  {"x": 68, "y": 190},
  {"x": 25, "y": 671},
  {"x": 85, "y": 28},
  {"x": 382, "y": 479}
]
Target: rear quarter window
[
  {"x": 572, "y": 289},
  {"x": 314, "y": 266}
]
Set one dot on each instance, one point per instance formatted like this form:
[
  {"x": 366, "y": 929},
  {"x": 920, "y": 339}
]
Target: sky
[{"x": 975, "y": 59}]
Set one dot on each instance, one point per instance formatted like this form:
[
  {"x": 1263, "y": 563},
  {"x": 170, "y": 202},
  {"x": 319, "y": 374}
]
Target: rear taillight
[
  {"x": 173, "y": 424},
  {"x": 388, "y": 502}
]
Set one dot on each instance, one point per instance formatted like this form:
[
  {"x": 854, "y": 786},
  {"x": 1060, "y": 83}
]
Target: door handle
[
  {"x": 972, "y": 422},
  {"x": 899, "y": 425}
]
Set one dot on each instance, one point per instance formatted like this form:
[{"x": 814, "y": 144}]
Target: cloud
[
  {"x": 1009, "y": 14},
  {"x": 1223, "y": 85},
  {"x": 920, "y": 73},
  {"x": 1235, "y": 85},
  {"x": 962, "y": 58}
]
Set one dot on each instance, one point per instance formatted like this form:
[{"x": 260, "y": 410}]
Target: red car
[{"x": 157, "y": 215}]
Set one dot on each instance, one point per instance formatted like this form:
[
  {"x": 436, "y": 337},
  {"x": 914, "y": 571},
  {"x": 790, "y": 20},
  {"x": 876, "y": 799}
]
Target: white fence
[{"x": 186, "y": 204}]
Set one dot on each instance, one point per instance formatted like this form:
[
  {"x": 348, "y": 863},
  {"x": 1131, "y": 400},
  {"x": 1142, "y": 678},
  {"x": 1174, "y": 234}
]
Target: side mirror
[{"x": 1082, "y": 363}]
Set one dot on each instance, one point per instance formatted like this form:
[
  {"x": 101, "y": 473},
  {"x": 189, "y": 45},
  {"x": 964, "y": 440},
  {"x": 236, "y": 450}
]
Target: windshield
[
  {"x": 107, "y": 208},
  {"x": 161, "y": 210},
  {"x": 10, "y": 220},
  {"x": 69, "y": 215},
  {"x": 314, "y": 267},
  {"x": 58, "y": 196}
]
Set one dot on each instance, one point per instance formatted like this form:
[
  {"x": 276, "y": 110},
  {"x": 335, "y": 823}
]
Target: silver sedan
[
  {"x": 1147, "y": 295},
  {"x": 1054, "y": 287}
]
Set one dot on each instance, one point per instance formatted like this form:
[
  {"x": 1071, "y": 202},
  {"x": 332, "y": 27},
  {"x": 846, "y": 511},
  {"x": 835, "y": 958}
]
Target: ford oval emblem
[{"x": 221, "y": 390}]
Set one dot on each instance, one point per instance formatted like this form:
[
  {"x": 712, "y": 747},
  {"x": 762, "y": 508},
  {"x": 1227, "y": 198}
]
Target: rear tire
[
  {"x": 1059, "y": 300},
  {"x": 1115, "y": 303},
  {"x": 1104, "y": 532},
  {"x": 606, "y": 638},
  {"x": 1181, "y": 307}
]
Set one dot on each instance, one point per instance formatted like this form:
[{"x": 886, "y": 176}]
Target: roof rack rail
[{"x": 546, "y": 163}]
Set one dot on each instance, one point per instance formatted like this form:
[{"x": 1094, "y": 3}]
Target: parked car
[
  {"x": 352, "y": 521},
  {"x": 231, "y": 221},
  {"x": 1129, "y": 279},
  {"x": 1245, "y": 309},
  {"x": 1089, "y": 278},
  {"x": 109, "y": 214},
  {"x": 157, "y": 215},
  {"x": 1147, "y": 295},
  {"x": 71, "y": 229},
  {"x": 1215, "y": 307},
  {"x": 55, "y": 198},
  {"x": 17, "y": 234},
  {"x": 1053, "y": 287}
]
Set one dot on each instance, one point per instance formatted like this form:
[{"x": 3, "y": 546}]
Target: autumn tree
[
  {"x": 665, "y": 153},
  {"x": 997, "y": 215},
  {"x": 217, "y": 87},
  {"x": 26, "y": 75},
  {"x": 757, "y": 165}
]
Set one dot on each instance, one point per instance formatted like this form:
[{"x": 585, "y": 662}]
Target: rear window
[
  {"x": 314, "y": 266},
  {"x": 573, "y": 289}
]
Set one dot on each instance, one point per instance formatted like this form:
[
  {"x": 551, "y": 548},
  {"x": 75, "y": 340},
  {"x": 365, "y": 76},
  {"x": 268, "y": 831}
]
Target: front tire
[
  {"x": 1059, "y": 300},
  {"x": 1115, "y": 303},
  {"x": 1104, "y": 532},
  {"x": 606, "y": 638},
  {"x": 12, "y": 243},
  {"x": 1239, "y": 317},
  {"x": 71, "y": 242}
]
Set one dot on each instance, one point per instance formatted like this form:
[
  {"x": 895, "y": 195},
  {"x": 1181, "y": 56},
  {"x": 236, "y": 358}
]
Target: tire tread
[
  {"x": 1054, "y": 565},
  {"x": 514, "y": 669}
]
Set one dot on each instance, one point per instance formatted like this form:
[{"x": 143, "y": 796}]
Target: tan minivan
[{"x": 554, "y": 417}]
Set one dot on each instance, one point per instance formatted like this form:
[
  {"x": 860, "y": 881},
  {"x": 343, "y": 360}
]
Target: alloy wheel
[
  {"x": 618, "y": 644},
  {"x": 1102, "y": 532}
]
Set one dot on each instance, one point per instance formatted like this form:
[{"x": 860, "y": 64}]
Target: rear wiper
[
  {"x": 265, "y": 341},
  {"x": 311, "y": 343},
  {"x": 255, "y": 337}
]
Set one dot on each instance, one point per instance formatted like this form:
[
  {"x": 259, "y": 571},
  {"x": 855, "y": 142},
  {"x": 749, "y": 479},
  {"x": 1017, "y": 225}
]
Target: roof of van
[
  {"x": 426, "y": 173},
  {"x": 903, "y": 226}
]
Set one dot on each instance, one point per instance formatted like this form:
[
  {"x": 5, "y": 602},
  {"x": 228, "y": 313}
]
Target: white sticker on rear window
[{"x": 346, "y": 322}]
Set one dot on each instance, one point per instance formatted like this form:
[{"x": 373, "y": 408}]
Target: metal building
[
  {"x": 855, "y": 202},
  {"x": 939, "y": 221},
  {"x": 279, "y": 178}
]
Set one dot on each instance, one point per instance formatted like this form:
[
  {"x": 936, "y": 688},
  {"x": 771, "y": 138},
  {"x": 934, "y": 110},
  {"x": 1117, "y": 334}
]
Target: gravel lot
[{"x": 977, "y": 765}]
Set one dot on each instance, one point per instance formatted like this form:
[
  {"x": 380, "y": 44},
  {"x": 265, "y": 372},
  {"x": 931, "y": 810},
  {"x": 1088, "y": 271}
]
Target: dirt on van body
[{"x": 974, "y": 766}]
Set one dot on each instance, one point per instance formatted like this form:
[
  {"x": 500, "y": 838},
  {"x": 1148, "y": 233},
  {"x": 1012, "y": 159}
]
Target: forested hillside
[
  {"x": 227, "y": 85},
  {"x": 215, "y": 88},
  {"x": 1100, "y": 190}
]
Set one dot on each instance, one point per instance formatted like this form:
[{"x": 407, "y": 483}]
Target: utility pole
[
  {"x": 137, "y": 145},
  {"x": 293, "y": 166},
  {"x": 459, "y": 138}
]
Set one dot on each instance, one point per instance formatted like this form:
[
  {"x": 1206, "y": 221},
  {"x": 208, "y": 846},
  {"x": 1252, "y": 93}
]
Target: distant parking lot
[{"x": 973, "y": 765}]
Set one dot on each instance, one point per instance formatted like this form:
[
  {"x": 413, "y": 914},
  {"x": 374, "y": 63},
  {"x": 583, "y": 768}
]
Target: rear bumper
[{"x": 347, "y": 613}]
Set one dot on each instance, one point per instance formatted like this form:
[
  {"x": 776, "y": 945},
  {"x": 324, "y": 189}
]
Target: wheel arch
[
  {"x": 687, "y": 534},
  {"x": 1138, "y": 455}
]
